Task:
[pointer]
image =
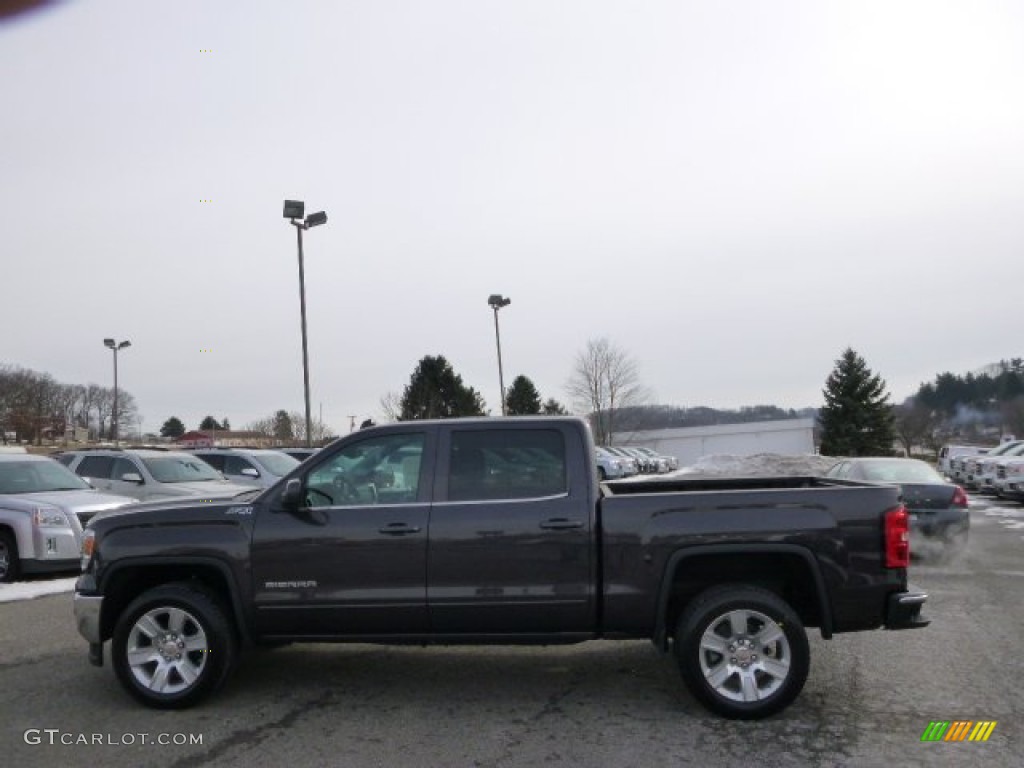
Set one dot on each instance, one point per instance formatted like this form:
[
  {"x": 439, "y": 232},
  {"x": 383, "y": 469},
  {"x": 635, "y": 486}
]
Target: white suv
[
  {"x": 150, "y": 474},
  {"x": 253, "y": 467}
]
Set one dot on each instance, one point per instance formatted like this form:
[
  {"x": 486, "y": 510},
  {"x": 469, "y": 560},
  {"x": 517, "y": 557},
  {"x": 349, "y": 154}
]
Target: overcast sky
[{"x": 731, "y": 192}]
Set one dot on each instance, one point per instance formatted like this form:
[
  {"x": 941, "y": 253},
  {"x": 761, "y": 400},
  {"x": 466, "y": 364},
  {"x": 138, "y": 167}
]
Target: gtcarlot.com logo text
[{"x": 55, "y": 736}]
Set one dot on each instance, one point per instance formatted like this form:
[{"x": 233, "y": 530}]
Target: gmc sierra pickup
[{"x": 497, "y": 531}]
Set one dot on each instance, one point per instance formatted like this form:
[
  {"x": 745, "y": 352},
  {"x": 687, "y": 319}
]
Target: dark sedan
[{"x": 937, "y": 508}]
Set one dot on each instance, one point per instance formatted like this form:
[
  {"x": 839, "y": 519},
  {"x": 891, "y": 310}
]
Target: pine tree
[
  {"x": 552, "y": 407},
  {"x": 522, "y": 398},
  {"x": 282, "y": 426},
  {"x": 173, "y": 427},
  {"x": 209, "y": 423},
  {"x": 435, "y": 391},
  {"x": 857, "y": 418}
]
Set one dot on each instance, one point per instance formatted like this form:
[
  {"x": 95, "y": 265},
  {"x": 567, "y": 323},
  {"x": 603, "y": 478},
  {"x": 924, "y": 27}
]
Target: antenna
[{"x": 351, "y": 423}]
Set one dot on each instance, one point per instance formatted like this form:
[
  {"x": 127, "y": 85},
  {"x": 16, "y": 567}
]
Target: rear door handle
[
  {"x": 398, "y": 529},
  {"x": 561, "y": 524}
]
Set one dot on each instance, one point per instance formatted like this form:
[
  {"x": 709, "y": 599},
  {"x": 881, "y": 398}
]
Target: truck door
[
  {"x": 352, "y": 560},
  {"x": 510, "y": 547}
]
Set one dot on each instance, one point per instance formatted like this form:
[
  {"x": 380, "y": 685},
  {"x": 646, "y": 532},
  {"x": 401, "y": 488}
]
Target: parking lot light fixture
[
  {"x": 293, "y": 210},
  {"x": 115, "y": 347},
  {"x": 496, "y": 301}
]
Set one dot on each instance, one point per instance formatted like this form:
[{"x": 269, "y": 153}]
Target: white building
[{"x": 789, "y": 437}]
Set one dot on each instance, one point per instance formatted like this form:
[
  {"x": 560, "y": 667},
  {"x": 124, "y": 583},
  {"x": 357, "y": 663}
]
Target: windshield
[
  {"x": 38, "y": 476},
  {"x": 1008, "y": 447},
  {"x": 180, "y": 468},
  {"x": 901, "y": 472},
  {"x": 277, "y": 464}
]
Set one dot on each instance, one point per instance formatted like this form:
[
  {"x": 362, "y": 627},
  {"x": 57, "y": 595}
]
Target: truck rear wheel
[
  {"x": 742, "y": 651},
  {"x": 173, "y": 646},
  {"x": 8, "y": 558}
]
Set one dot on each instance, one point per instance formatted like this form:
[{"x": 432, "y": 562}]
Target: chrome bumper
[{"x": 904, "y": 610}]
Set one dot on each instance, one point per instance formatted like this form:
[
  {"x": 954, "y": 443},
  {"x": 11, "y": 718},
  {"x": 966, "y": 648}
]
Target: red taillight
[
  {"x": 897, "y": 538},
  {"x": 959, "y": 497}
]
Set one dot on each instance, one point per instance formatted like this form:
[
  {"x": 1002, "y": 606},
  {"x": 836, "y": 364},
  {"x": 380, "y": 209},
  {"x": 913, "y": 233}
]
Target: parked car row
[
  {"x": 626, "y": 461},
  {"x": 43, "y": 509},
  {"x": 980, "y": 472},
  {"x": 45, "y": 504}
]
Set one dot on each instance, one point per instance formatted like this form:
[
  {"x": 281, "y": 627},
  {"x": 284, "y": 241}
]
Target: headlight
[
  {"x": 88, "y": 544},
  {"x": 44, "y": 517}
]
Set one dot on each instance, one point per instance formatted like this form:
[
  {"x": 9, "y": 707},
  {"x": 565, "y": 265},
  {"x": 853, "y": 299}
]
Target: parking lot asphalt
[{"x": 869, "y": 698}]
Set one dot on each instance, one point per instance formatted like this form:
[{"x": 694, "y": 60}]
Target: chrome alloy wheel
[
  {"x": 744, "y": 655},
  {"x": 167, "y": 650}
]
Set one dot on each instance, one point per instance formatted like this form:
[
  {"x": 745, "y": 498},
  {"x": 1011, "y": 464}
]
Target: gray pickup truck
[
  {"x": 43, "y": 508},
  {"x": 497, "y": 531}
]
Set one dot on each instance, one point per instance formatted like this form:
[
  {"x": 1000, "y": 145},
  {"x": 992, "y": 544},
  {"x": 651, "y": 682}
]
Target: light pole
[
  {"x": 115, "y": 348},
  {"x": 293, "y": 209},
  {"x": 496, "y": 302}
]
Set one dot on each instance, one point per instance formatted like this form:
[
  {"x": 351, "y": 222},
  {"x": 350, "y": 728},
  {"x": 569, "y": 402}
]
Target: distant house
[
  {"x": 225, "y": 438},
  {"x": 791, "y": 437}
]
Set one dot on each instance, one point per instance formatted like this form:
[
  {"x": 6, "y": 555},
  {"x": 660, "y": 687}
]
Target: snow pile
[
  {"x": 757, "y": 465},
  {"x": 26, "y": 590}
]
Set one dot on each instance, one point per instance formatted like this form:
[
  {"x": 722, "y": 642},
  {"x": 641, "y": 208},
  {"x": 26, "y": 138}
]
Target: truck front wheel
[
  {"x": 173, "y": 646},
  {"x": 742, "y": 651}
]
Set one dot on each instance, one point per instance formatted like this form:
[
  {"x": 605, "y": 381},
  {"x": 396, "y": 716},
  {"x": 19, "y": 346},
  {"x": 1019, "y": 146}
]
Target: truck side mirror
[
  {"x": 291, "y": 497},
  {"x": 132, "y": 477},
  {"x": 250, "y": 472}
]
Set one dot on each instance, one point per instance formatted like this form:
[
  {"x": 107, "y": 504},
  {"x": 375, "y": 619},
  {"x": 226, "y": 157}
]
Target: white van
[{"x": 949, "y": 451}]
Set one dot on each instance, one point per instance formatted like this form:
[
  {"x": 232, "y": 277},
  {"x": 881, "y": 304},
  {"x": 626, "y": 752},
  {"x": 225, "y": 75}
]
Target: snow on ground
[
  {"x": 26, "y": 590},
  {"x": 757, "y": 465}
]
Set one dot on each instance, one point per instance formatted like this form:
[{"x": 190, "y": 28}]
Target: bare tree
[
  {"x": 67, "y": 398},
  {"x": 914, "y": 424},
  {"x": 263, "y": 426},
  {"x": 391, "y": 405},
  {"x": 321, "y": 432},
  {"x": 127, "y": 412},
  {"x": 88, "y": 405},
  {"x": 604, "y": 378},
  {"x": 102, "y": 404}
]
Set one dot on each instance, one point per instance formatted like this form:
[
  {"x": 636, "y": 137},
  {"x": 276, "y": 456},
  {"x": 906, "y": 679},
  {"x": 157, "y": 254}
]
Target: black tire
[
  {"x": 193, "y": 644},
  {"x": 10, "y": 566},
  {"x": 601, "y": 474},
  {"x": 742, "y": 651}
]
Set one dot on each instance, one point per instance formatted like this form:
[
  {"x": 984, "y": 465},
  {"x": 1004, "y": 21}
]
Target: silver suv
[
  {"x": 43, "y": 508},
  {"x": 150, "y": 473},
  {"x": 252, "y": 467}
]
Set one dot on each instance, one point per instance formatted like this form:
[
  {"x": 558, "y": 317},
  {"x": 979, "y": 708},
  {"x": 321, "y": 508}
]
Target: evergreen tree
[
  {"x": 173, "y": 427},
  {"x": 522, "y": 398},
  {"x": 283, "y": 429},
  {"x": 552, "y": 407},
  {"x": 856, "y": 419},
  {"x": 209, "y": 423},
  {"x": 435, "y": 391}
]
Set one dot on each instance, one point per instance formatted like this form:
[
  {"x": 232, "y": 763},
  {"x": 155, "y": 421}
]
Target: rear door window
[
  {"x": 95, "y": 466},
  {"x": 123, "y": 467},
  {"x": 233, "y": 465},
  {"x": 506, "y": 464},
  {"x": 214, "y": 460}
]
